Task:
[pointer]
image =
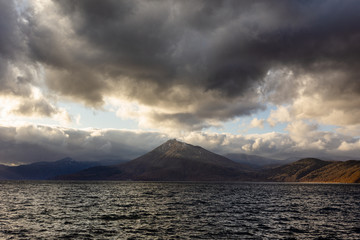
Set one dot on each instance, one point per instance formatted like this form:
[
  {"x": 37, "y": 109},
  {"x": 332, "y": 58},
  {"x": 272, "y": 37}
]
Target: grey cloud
[
  {"x": 11, "y": 46},
  {"x": 9, "y": 30},
  {"x": 330, "y": 97},
  {"x": 209, "y": 111},
  {"x": 180, "y": 121},
  {"x": 38, "y": 107},
  {"x": 82, "y": 85}
]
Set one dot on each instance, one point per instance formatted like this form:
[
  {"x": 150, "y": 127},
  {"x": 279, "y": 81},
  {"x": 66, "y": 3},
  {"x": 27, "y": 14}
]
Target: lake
[{"x": 169, "y": 210}]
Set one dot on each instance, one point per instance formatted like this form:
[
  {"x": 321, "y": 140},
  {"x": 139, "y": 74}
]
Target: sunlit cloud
[{"x": 257, "y": 123}]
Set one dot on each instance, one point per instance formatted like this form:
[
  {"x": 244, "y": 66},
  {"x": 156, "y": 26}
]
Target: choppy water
[{"x": 135, "y": 210}]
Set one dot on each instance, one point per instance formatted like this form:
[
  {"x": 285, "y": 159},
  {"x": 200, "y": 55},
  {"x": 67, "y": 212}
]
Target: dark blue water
[{"x": 135, "y": 210}]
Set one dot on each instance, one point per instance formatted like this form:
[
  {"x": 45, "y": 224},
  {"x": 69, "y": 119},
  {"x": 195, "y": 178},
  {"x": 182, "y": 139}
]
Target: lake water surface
[{"x": 143, "y": 210}]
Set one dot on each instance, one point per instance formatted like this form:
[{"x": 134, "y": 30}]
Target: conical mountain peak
[
  {"x": 175, "y": 148},
  {"x": 174, "y": 143}
]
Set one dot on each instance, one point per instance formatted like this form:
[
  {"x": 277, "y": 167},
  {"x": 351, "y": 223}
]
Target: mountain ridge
[
  {"x": 44, "y": 170},
  {"x": 172, "y": 161},
  {"x": 179, "y": 161}
]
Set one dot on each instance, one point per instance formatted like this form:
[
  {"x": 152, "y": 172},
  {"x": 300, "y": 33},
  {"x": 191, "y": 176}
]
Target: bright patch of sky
[{"x": 85, "y": 117}]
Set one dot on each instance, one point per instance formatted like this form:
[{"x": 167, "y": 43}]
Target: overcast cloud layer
[{"x": 185, "y": 65}]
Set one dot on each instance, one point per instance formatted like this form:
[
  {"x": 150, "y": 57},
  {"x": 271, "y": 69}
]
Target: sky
[{"x": 112, "y": 79}]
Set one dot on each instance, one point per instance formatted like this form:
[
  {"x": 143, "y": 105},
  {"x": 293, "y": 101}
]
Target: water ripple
[{"x": 136, "y": 210}]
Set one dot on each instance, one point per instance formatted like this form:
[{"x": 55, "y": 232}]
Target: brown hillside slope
[
  {"x": 295, "y": 171},
  {"x": 316, "y": 170},
  {"x": 339, "y": 172}
]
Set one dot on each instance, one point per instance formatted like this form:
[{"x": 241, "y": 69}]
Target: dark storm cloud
[
  {"x": 142, "y": 50},
  {"x": 9, "y": 40},
  {"x": 166, "y": 42},
  {"x": 144, "y": 38},
  {"x": 37, "y": 107},
  {"x": 10, "y": 43},
  {"x": 224, "y": 46}
]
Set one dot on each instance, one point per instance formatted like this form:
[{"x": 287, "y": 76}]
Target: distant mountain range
[
  {"x": 255, "y": 161},
  {"x": 46, "y": 170},
  {"x": 178, "y": 161}
]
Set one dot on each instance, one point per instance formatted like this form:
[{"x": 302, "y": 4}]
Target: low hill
[
  {"x": 293, "y": 172},
  {"x": 171, "y": 161},
  {"x": 342, "y": 172},
  {"x": 316, "y": 170}
]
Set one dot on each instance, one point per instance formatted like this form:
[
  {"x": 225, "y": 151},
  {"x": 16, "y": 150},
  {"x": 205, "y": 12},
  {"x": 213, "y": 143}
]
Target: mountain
[
  {"x": 6, "y": 173},
  {"x": 171, "y": 161},
  {"x": 316, "y": 170},
  {"x": 178, "y": 161},
  {"x": 43, "y": 170},
  {"x": 255, "y": 161}
]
